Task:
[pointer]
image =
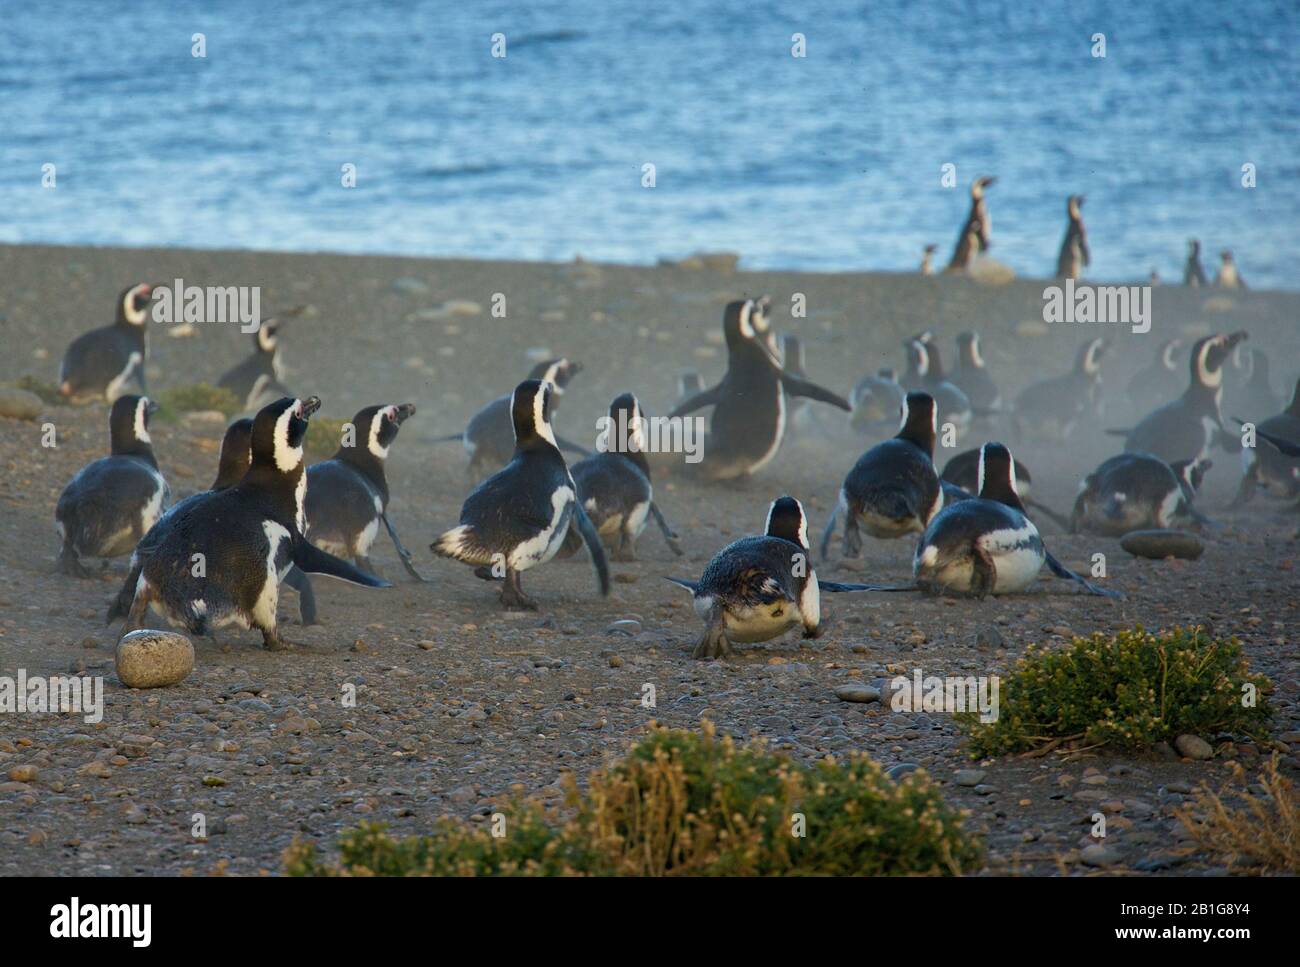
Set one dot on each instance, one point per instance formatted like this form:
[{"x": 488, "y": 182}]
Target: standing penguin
[
  {"x": 1193, "y": 274},
  {"x": 1270, "y": 464},
  {"x": 986, "y": 545},
  {"x": 875, "y": 399},
  {"x": 749, "y": 405},
  {"x": 347, "y": 495},
  {"x": 893, "y": 489},
  {"x": 98, "y": 364},
  {"x": 614, "y": 484},
  {"x": 974, "y": 239},
  {"x": 1074, "y": 253},
  {"x": 1159, "y": 380},
  {"x": 259, "y": 378},
  {"x": 1228, "y": 277},
  {"x": 1132, "y": 491},
  {"x": 518, "y": 517},
  {"x": 1053, "y": 407},
  {"x": 758, "y": 588},
  {"x": 489, "y": 439},
  {"x": 927, "y": 260},
  {"x": 220, "y": 560},
  {"x": 112, "y": 502},
  {"x": 972, "y": 376},
  {"x": 1187, "y": 428}
]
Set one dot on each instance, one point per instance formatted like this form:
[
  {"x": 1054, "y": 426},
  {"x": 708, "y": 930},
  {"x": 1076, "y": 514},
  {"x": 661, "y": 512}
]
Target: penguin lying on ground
[
  {"x": 1053, "y": 407},
  {"x": 518, "y": 517},
  {"x": 614, "y": 484},
  {"x": 220, "y": 560},
  {"x": 749, "y": 405},
  {"x": 875, "y": 399},
  {"x": 1135, "y": 491},
  {"x": 98, "y": 364},
  {"x": 259, "y": 378},
  {"x": 986, "y": 545},
  {"x": 893, "y": 489},
  {"x": 347, "y": 495},
  {"x": 1153, "y": 385},
  {"x": 1189, "y": 426},
  {"x": 232, "y": 464},
  {"x": 758, "y": 588},
  {"x": 113, "y": 501},
  {"x": 1276, "y": 464},
  {"x": 489, "y": 438},
  {"x": 962, "y": 473}
]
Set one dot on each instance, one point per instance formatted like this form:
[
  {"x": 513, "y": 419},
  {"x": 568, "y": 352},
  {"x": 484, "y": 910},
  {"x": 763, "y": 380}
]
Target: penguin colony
[{"x": 218, "y": 558}]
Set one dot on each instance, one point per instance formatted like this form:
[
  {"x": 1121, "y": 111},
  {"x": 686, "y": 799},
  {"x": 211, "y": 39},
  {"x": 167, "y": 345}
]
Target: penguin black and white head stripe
[
  {"x": 348, "y": 495},
  {"x": 100, "y": 363},
  {"x": 1160, "y": 380},
  {"x": 963, "y": 470},
  {"x": 112, "y": 502},
  {"x": 875, "y": 399},
  {"x": 1133, "y": 491},
  {"x": 518, "y": 517},
  {"x": 236, "y": 454},
  {"x": 997, "y": 476},
  {"x": 758, "y": 588},
  {"x": 247, "y": 537},
  {"x": 558, "y": 372},
  {"x": 259, "y": 378},
  {"x": 972, "y": 376},
  {"x": 1052, "y": 408}
]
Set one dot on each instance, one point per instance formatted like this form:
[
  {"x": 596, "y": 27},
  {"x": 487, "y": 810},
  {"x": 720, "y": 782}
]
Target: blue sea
[{"x": 828, "y": 161}]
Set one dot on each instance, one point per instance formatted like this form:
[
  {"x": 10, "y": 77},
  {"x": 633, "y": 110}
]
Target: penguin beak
[
  {"x": 309, "y": 406},
  {"x": 404, "y": 412},
  {"x": 1239, "y": 336},
  {"x": 150, "y": 408}
]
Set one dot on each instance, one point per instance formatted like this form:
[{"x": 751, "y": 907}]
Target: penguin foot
[
  {"x": 623, "y": 553},
  {"x": 69, "y": 565},
  {"x": 515, "y": 600},
  {"x": 712, "y": 645}
]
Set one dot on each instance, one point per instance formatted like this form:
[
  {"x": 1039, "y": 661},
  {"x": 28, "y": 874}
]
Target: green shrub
[
  {"x": 323, "y": 437},
  {"x": 197, "y": 397},
  {"x": 686, "y": 803},
  {"x": 1132, "y": 690}
]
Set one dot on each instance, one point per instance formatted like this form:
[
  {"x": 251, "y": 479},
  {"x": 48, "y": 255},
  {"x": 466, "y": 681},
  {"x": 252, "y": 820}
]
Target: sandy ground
[{"x": 458, "y": 702}]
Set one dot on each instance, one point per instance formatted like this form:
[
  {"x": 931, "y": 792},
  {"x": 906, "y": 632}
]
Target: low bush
[
  {"x": 197, "y": 397},
  {"x": 1262, "y": 834}
]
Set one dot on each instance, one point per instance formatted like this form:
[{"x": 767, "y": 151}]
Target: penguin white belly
[
  {"x": 262, "y": 614},
  {"x": 1168, "y": 507},
  {"x": 542, "y": 547},
  {"x": 1016, "y": 561},
  {"x": 637, "y": 518},
  {"x": 761, "y": 623},
  {"x": 777, "y": 435},
  {"x": 115, "y": 385},
  {"x": 887, "y": 528},
  {"x": 367, "y": 537},
  {"x": 810, "y": 602}
]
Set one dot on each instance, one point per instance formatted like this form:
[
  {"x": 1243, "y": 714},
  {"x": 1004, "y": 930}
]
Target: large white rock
[{"x": 154, "y": 659}]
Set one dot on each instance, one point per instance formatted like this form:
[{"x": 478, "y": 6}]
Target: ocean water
[{"x": 830, "y": 161}]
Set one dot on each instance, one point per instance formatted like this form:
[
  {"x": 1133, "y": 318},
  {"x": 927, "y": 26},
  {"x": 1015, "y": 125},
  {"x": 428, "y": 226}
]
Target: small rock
[
  {"x": 1098, "y": 855},
  {"x": 856, "y": 692},
  {"x": 19, "y": 404},
  {"x": 989, "y": 638},
  {"x": 1193, "y": 747},
  {"x": 968, "y": 777},
  {"x": 23, "y": 773},
  {"x": 154, "y": 659},
  {"x": 902, "y": 769}
]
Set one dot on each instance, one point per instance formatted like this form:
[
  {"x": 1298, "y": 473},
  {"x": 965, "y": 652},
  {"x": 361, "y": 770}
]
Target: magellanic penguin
[
  {"x": 232, "y": 464},
  {"x": 925, "y": 373},
  {"x": 1228, "y": 277},
  {"x": 347, "y": 495},
  {"x": 99, "y": 364},
  {"x": 972, "y": 376},
  {"x": 986, "y": 545},
  {"x": 758, "y": 588},
  {"x": 489, "y": 439},
  {"x": 1159, "y": 381},
  {"x": 960, "y": 480},
  {"x": 614, "y": 484},
  {"x": 1189, "y": 426},
  {"x": 893, "y": 489},
  {"x": 749, "y": 405},
  {"x": 1270, "y": 464},
  {"x": 220, "y": 561},
  {"x": 1052, "y": 408},
  {"x": 875, "y": 400},
  {"x": 518, "y": 517},
  {"x": 1134, "y": 491},
  {"x": 259, "y": 378},
  {"x": 1193, "y": 274},
  {"x": 792, "y": 362},
  {"x": 974, "y": 239},
  {"x": 112, "y": 502},
  {"x": 1074, "y": 254},
  {"x": 927, "y": 260}
]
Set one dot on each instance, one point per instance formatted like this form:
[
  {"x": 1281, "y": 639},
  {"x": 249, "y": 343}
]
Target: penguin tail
[
  {"x": 691, "y": 586},
  {"x": 1061, "y": 571},
  {"x": 461, "y": 544}
]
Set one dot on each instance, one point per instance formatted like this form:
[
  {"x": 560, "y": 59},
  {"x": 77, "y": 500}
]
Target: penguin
[
  {"x": 1272, "y": 464},
  {"x": 1158, "y": 381},
  {"x": 972, "y": 376},
  {"x": 1228, "y": 277},
  {"x": 1187, "y": 428},
  {"x": 893, "y": 489},
  {"x": 875, "y": 399},
  {"x": 1053, "y": 407},
  {"x": 1074, "y": 255},
  {"x": 926, "y": 374},
  {"x": 688, "y": 384},
  {"x": 489, "y": 438},
  {"x": 347, "y": 495},
  {"x": 792, "y": 363},
  {"x": 613, "y": 484},
  {"x": 1246, "y": 389},
  {"x": 974, "y": 238},
  {"x": 1193, "y": 274},
  {"x": 259, "y": 378},
  {"x": 112, "y": 502},
  {"x": 232, "y": 464},
  {"x": 100, "y": 363},
  {"x": 986, "y": 545},
  {"x": 749, "y": 404},
  {"x": 927, "y": 260},
  {"x": 1134, "y": 491},
  {"x": 220, "y": 561},
  {"x": 960, "y": 481},
  {"x": 518, "y": 517},
  {"x": 758, "y": 588}
]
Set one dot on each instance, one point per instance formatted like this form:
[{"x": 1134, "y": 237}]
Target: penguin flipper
[
  {"x": 797, "y": 386},
  {"x": 1061, "y": 571},
  {"x": 829, "y": 532},
  {"x": 708, "y": 397},
  {"x": 594, "y": 547},
  {"x": 402, "y": 552},
  {"x": 1285, "y": 446},
  {"x": 669, "y": 534},
  {"x": 313, "y": 560},
  {"x": 691, "y": 586},
  {"x": 835, "y": 586},
  {"x": 299, "y": 581}
]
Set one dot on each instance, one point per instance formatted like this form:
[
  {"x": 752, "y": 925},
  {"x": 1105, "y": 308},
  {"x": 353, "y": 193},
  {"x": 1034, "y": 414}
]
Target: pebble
[
  {"x": 25, "y": 773},
  {"x": 968, "y": 777},
  {"x": 1098, "y": 855},
  {"x": 1193, "y": 747},
  {"x": 856, "y": 692},
  {"x": 154, "y": 659}
]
